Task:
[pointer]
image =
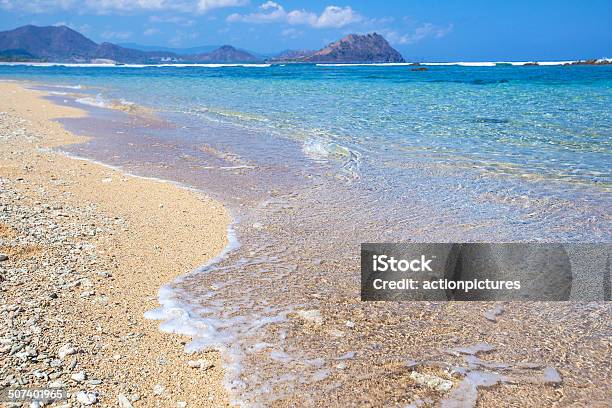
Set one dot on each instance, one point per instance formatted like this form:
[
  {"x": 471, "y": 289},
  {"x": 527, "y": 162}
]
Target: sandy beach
[{"x": 88, "y": 247}]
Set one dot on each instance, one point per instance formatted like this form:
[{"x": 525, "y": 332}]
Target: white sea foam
[
  {"x": 64, "y": 86},
  {"x": 213, "y": 65},
  {"x": 322, "y": 150},
  {"x": 372, "y": 64},
  {"x": 77, "y": 65},
  {"x": 457, "y": 63},
  {"x": 97, "y": 101},
  {"x": 494, "y": 63},
  {"x": 223, "y": 333},
  {"x": 100, "y": 102}
]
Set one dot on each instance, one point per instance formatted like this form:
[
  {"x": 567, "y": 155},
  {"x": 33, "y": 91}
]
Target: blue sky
[{"x": 434, "y": 30}]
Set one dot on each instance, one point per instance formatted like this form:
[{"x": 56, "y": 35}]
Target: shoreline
[
  {"x": 267, "y": 64},
  {"x": 135, "y": 223},
  {"x": 558, "y": 346}
]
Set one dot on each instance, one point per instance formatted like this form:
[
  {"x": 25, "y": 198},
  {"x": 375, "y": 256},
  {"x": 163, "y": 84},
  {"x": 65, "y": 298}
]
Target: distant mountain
[
  {"x": 48, "y": 43},
  {"x": 356, "y": 48},
  {"x": 126, "y": 55},
  {"x": 291, "y": 55},
  {"x": 224, "y": 54},
  {"x": 178, "y": 51},
  {"x": 63, "y": 44}
]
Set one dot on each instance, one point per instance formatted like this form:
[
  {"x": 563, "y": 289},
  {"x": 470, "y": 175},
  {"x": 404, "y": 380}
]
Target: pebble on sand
[
  {"x": 78, "y": 377},
  {"x": 200, "y": 363},
  {"x": 158, "y": 389},
  {"x": 86, "y": 398},
  {"x": 431, "y": 381},
  {"x": 66, "y": 350},
  {"x": 123, "y": 401},
  {"x": 313, "y": 316}
]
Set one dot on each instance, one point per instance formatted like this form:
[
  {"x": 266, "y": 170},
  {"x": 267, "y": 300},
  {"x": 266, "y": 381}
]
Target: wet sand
[{"x": 88, "y": 248}]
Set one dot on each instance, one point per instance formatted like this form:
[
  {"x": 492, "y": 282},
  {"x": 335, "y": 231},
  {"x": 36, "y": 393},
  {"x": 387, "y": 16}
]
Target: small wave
[
  {"x": 494, "y": 63},
  {"x": 212, "y": 65},
  {"x": 97, "y": 101},
  {"x": 443, "y": 64},
  {"x": 233, "y": 114},
  {"x": 373, "y": 64},
  {"x": 118, "y": 104},
  {"x": 64, "y": 86},
  {"x": 84, "y": 65},
  {"x": 320, "y": 150}
]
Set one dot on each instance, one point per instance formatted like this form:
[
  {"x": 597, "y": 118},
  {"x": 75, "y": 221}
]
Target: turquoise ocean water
[
  {"x": 552, "y": 122},
  {"x": 313, "y": 160}
]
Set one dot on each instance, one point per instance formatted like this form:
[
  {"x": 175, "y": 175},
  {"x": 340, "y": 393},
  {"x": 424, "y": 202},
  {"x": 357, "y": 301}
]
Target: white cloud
[
  {"x": 182, "y": 21},
  {"x": 334, "y": 16},
  {"x": 205, "y": 5},
  {"x": 426, "y": 30},
  {"x": 331, "y": 17},
  {"x": 181, "y": 37},
  {"x": 36, "y": 6},
  {"x": 271, "y": 12},
  {"x": 291, "y": 33},
  {"x": 108, "y": 6},
  {"x": 116, "y": 35},
  {"x": 150, "y": 31},
  {"x": 81, "y": 28}
]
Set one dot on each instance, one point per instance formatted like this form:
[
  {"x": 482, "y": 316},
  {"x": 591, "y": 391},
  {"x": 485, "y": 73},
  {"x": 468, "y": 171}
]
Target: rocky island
[{"x": 355, "y": 48}]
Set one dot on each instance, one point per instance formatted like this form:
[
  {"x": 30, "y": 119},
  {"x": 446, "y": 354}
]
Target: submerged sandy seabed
[
  {"x": 88, "y": 249},
  {"x": 477, "y": 354}
]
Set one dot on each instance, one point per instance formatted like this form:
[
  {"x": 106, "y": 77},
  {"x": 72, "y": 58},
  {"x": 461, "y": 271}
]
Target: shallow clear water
[
  {"x": 543, "y": 121},
  {"x": 312, "y": 161}
]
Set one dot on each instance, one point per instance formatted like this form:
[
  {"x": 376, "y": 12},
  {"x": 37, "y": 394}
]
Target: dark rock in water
[
  {"x": 3, "y": 257},
  {"x": 357, "y": 48},
  {"x": 487, "y": 81},
  {"x": 531, "y": 64},
  {"x": 490, "y": 120},
  {"x": 419, "y": 69}
]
